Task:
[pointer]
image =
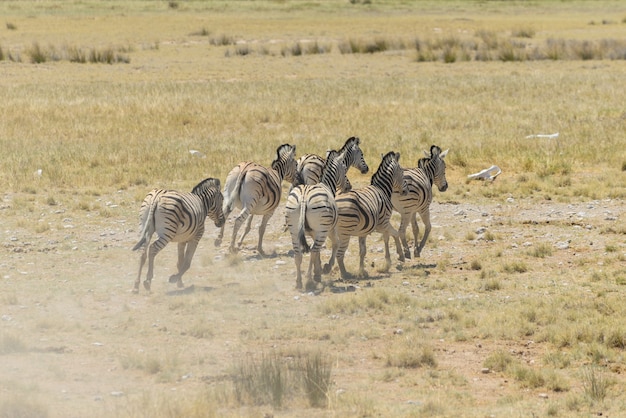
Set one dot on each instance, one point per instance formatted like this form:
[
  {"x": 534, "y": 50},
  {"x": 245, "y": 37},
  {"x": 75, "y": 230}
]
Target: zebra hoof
[
  {"x": 218, "y": 242},
  {"x": 310, "y": 286},
  {"x": 180, "y": 284},
  {"x": 327, "y": 268},
  {"x": 146, "y": 285},
  {"x": 174, "y": 279}
]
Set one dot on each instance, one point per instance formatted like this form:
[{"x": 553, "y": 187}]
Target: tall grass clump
[
  {"x": 273, "y": 378},
  {"x": 316, "y": 376},
  {"x": 595, "y": 384},
  {"x": 37, "y": 54}
]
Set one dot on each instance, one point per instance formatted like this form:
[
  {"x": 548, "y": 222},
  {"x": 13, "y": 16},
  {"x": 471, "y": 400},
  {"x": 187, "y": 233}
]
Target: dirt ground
[{"x": 77, "y": 342}]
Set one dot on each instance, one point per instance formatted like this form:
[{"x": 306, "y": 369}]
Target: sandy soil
[{"x": 76, "y": 341}]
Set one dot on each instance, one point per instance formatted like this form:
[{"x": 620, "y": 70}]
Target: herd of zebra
[{"x": 321, "y": 204}]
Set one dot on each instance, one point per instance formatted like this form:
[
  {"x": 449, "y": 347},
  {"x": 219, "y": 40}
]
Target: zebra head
[
  {"x": 391, "y": 173},
  {"x": 435, "y": 167},
  {"x": 353, "y": 155},
  {"x": 285, "y": 163},
  {"x": 212, "y": 198}
]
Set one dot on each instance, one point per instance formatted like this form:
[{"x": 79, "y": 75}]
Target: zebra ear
[
  {"x": 443, "y": 154},
  {"x": 397, "y": 156}
]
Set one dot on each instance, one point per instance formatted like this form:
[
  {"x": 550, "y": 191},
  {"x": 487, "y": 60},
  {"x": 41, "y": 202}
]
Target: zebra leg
[
  {"x": 246, "y": 230},
  {"x": 180, "y": 265},
  {"x": 142, "y": 261},
  {"x": 185, "y": 263},
  {"x": 297, "y": 257},
  {"x": 316, "y": 259},
  {"x": 154, "y": 249},
  {"x": 262, "y": 227},
  {"x": 220, "y": 236},
  {"x": 334, "y": 246},
  {"x": 341, "y": 252},
  {"x": 239, "y": 220},
  {"x": 427, "y": 226},
  {"x": 362, "y": 253},
  {"x": 404, "y": 223}
]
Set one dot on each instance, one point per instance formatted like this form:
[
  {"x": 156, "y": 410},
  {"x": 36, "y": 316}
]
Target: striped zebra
[
  {"x": 257, "y": 191},
  {"x": 310, "y": 166},
  {"x": 311, "y": 210},
  {"x": 363, "y": 211},
  {"x": 429, "y": 170},
  {"x": 178, "y": 217}
]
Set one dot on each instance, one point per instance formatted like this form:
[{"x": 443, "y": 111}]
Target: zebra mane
[
  {"x": 435, "y": 152},
  {"x": 350, "y": 142},
  {"x": 384, "y": 164},
  {"x": 205, "y": 184},
  {"x": 331, "y": 158},
  {"x": 283, "y": 149}
]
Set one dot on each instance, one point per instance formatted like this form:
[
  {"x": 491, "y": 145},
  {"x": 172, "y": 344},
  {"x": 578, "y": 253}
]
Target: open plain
[{"x": 515, "y": 308}]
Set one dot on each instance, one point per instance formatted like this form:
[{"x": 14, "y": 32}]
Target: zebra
[
  {"x": 363, "y": 211},
  {"x": 257, "y": 191},
  {"x": 429, "y": 170},
  {"x": 311, "y": 210},
  {"x": 178, "y": 217},
  {"x": 309, "y": 169}
]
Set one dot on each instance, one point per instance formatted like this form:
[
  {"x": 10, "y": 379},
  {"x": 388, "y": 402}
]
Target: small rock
[
  {"x": 543, "y": 395},
  {"x": 117, "y": 394},
  {"x": 485, "y": 370}
]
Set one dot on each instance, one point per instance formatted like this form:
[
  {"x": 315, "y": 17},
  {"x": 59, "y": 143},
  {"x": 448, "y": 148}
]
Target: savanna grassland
[{"x": 515, "y": 308}]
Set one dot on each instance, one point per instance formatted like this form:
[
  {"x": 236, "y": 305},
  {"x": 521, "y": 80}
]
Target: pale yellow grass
[{"x": 75, "y": 341}]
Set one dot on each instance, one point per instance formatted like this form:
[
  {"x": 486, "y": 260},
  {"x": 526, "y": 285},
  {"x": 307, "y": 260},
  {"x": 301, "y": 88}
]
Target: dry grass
[{"x": 236, "y": 79}]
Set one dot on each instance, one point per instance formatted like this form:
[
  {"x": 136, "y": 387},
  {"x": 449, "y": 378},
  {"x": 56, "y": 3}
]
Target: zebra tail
[
  {"x": 301, "y": 228},
  {"x": 147, "y": 229},
  {"x": 231, "y": 191}
]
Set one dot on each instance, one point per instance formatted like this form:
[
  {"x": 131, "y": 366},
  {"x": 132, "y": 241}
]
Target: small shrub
[
  {"x": 491, "y": 285},
  {"x": 410, "y": 357},
  {"x": 476, "y": 265},
  {"x": 37, "y": 54},
  {"x": 527, "y": 376},
  {"x": 499, "y": 361},
  {"x": 172, "y": 4},
  {"x": 201, "y": 32},
  {"x": 243, "y": 50},
  {"x": 11, "y": 26},
  {"x": 296, "y": 49},
  {"x": 542, "y": 250},
  {"x": 222, "y": 40},
  {"x": 515, "y": 267},
  {"x": 523, "y": 33}
]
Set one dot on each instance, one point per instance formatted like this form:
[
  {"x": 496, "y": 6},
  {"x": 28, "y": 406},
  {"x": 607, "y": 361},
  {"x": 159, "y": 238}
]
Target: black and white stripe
[
  {"x": 310, "y": 166},
  {"x": 311, "y": 210},
  {"x": 257, "y": 191},
  {"x": 430, "y": 170},
  {"x": 178, "y": 217},
  {"x": 363, "y": 211}
]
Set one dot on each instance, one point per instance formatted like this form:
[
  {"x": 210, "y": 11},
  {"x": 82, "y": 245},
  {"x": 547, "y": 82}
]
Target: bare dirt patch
[{"x": 77, "y": 342}]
